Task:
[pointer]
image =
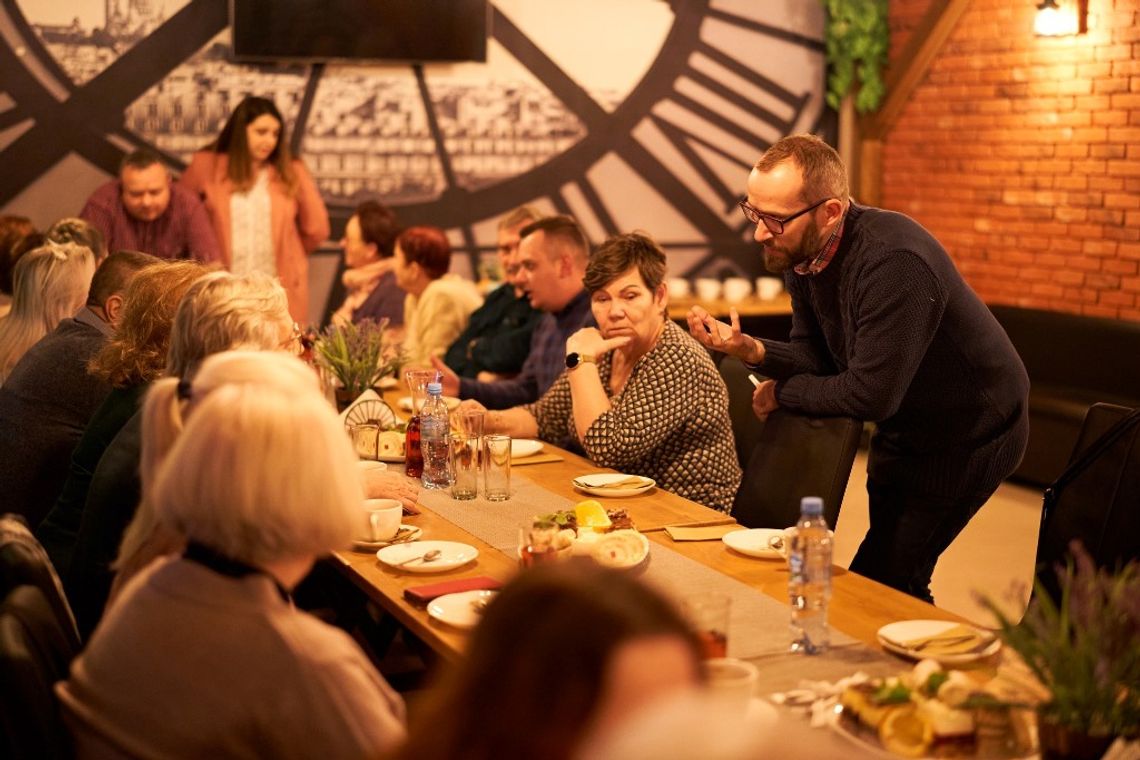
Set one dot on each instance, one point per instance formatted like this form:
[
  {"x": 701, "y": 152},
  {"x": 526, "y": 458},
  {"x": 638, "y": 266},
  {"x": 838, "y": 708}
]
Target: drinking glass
[
  {"x": 709, "y": 616},
  {"x": 465, "y": 465},
  {"x": 417, "y": 381},
  {"x": 497, "y": 467},
  {"x": 536, "y": 543}
]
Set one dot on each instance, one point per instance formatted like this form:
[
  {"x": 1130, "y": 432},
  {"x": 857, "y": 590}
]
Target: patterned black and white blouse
[{"x": 669, "y": 423}]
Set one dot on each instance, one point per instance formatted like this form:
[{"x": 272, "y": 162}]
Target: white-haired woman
[
  {"x": 204, "y": 653},
  {"x": 220, "y": 312},
  {"x": 49, "y": 284}
]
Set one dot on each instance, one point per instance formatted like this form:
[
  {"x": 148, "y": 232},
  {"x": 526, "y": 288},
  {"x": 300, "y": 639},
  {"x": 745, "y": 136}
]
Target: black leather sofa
[{"x": 1073, "y": 362}]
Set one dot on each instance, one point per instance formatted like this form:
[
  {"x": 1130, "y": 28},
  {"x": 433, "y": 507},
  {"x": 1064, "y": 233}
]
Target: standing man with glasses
[{"x": 884, "y": 329}]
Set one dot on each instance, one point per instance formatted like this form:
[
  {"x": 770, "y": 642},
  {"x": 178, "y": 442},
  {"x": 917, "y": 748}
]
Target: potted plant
[
  {"x": 1085, "y": 650},
  {"x": 356, "y": 356}
]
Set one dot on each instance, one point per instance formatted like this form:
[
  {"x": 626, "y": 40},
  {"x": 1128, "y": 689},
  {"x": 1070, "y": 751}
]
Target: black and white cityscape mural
[{"x": 627, "y": 114}]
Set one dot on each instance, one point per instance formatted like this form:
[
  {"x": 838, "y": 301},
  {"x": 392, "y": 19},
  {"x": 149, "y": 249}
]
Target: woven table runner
[{"x": 758, "y": 624}]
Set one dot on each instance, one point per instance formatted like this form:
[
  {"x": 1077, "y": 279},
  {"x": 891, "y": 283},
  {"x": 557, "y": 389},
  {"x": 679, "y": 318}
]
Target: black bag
[{"x": 1096, "y": 500}]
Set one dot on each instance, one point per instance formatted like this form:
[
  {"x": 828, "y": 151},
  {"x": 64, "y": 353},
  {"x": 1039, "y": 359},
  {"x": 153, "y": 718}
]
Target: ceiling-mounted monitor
[{"x": 359, "y": 30}]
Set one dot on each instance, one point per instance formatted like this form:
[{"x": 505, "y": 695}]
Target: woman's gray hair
[
  {"x": 222, "y": 311},
  {"x": 261, "y": 475}
]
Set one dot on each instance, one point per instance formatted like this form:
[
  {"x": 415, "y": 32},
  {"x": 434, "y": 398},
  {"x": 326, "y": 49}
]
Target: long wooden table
[{"x": 858, "y": 606}]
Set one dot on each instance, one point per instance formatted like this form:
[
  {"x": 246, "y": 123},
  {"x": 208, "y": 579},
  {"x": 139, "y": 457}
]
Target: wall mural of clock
[{"x": 627, "y": 114}]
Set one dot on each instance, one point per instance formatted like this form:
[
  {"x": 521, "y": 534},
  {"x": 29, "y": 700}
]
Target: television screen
[{"x": 378, "y": 30}]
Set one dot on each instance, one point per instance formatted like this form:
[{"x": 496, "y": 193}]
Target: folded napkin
[
  {"x": 424, "y": 594},
  {"x": 960, "y": 639},
  {"x": 368, "y": 394},
  {"x": 700, "y": 533},
  {"x": 631, "y": 482}
]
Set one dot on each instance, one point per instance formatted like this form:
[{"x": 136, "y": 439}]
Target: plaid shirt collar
[{"x": 826, "y": 254}]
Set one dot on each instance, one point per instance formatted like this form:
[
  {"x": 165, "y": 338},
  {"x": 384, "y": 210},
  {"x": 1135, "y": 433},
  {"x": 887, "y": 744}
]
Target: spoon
[{"x": 426, "y": 557}]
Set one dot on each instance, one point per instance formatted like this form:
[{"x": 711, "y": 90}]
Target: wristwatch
[{"x": 573, "y": 359}]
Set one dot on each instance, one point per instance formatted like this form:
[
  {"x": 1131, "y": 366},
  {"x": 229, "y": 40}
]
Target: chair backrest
[
  {"x": 24, "y": 561},
  {"x": 786, "y": 457},
  {"x": 35, "y": 653},
  {"x": 1096, "y": 499},
  {"x": 746, "y": 426}
]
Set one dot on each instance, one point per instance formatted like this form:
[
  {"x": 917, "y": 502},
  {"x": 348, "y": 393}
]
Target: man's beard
[{"x": 778, "y": 260}]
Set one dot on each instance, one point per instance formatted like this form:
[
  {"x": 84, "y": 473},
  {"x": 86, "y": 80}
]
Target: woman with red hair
[{"x": 438, "y": 305}]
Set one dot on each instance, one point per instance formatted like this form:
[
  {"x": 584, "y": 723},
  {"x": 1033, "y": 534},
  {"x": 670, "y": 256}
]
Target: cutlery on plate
[
  {"x": 633, "y": 481},
  {"x": 426, "y": 557}
]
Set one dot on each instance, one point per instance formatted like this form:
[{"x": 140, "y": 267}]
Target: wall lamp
[{"x": 1060, "y": 18}]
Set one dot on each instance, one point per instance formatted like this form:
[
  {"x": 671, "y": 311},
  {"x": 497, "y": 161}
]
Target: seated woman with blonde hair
[
  {"x": 640, "y": 395},
  {"x": 204, "y": 654},
  {"x": 49, "y": 284}
]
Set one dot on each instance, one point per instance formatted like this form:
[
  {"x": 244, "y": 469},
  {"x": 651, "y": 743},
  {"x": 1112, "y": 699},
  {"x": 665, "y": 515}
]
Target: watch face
[
  {"x": 572, "y": 360},
  {"x": 627, "y": 114}
]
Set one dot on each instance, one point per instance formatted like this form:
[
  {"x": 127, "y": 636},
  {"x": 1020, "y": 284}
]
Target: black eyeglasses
[{"x": 774, "y": 224}]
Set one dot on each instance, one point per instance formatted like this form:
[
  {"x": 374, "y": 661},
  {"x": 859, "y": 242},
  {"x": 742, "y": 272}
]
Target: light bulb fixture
[{"x": 1060, "y": 18}]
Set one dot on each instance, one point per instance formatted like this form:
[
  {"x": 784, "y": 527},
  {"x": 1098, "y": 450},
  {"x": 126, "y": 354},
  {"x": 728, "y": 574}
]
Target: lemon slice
[
  {"x": 591, "y": 514},
  {"x": 904, "y": 732}
]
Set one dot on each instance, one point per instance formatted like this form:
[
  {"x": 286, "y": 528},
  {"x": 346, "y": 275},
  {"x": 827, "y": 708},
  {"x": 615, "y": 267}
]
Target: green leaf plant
[
  {"x": 857, "y": 40},
  {"x": 1085, "y": 649}
]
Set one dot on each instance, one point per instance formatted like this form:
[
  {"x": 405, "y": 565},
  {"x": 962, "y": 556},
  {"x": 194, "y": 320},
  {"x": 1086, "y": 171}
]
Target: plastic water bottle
[
  {"x": 809, "y": 578},
  {"x": 435, "y": 440}
]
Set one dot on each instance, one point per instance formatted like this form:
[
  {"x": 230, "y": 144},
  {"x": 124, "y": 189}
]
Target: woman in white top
[{"x": 264, "y": 204}]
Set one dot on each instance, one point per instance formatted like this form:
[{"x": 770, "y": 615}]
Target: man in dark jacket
[
  {"x": 884, "y": 329},
  {"x": 497, "y": 339},
  {"x": 49, "y": 397}
]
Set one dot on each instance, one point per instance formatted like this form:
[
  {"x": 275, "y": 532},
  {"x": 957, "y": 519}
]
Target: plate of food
[
  {"x": 405, "y": 402},
  {"x": 461, "y": 610},
  {"x": 608, "y": 536},
  {"x": 613, "y": 484},
  {"x": 764, "y": 543},
  {"x": 427, "y": 556},
  {"x": 932, "y": 712},
  {"x": 524, "y": 447},
  {"x": 942, "y": 640}
]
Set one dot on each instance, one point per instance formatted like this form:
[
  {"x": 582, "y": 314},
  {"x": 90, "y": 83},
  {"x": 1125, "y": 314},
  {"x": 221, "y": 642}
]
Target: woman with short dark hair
[{"x": 639, "y": 394}]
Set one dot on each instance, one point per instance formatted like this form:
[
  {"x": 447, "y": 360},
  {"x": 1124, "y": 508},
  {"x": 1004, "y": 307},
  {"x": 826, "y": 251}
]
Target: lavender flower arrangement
[
  {"x": 357, "y": 355},
  {"x": 1086, "y": 649}
]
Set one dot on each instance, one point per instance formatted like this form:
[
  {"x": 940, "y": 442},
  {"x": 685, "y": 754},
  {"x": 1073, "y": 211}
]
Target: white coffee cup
[
  {"x": 768, "y": 287},
  {"x": 678, "y": 287},
  {"x": 708, "y": 289},
  {"x": 736, "y": 289},
  {"x": 732, "y": 682},
  {"x": 382, "y": 518}
]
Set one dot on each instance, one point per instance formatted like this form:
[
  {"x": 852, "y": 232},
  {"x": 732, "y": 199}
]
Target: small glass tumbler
[
  {"x": 497, "y": 467},
  {"x": 465, "y": 466}
]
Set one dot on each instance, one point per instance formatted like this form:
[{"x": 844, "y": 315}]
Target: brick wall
[{"x": 1022, "y": 155}]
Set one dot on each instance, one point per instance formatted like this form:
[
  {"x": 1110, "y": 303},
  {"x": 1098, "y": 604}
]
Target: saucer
[
  {"x": 406, "y": 534},
  {"x": 452, "y": 555}
]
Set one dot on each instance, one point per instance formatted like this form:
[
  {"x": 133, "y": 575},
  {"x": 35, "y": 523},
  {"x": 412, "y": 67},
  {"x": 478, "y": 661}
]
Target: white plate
[
  {"x": 867, "y": 739},
  {"x": 454, "y": 554},
  {"x": 905, "y": 630},
  {"x": 524, "y": 447},
  {"x": 371, "y": 464},
  {"x": 595, "y": 484},
  {"x": 405, "y": 402},
  {"x": 405, "y": 535},
  {"x": 387, "y": 383},
  {"x": 753, "y": 542},
  {"x": 459, "y": 609}
]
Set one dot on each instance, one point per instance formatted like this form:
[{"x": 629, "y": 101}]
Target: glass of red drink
[{"x": 709, "y": 615}]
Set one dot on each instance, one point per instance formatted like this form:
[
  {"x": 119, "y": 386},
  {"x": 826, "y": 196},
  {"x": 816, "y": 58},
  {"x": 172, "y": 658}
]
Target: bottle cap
[
  {"x": 435, "y": 388},
  {"x": 811, "y": 505}
]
